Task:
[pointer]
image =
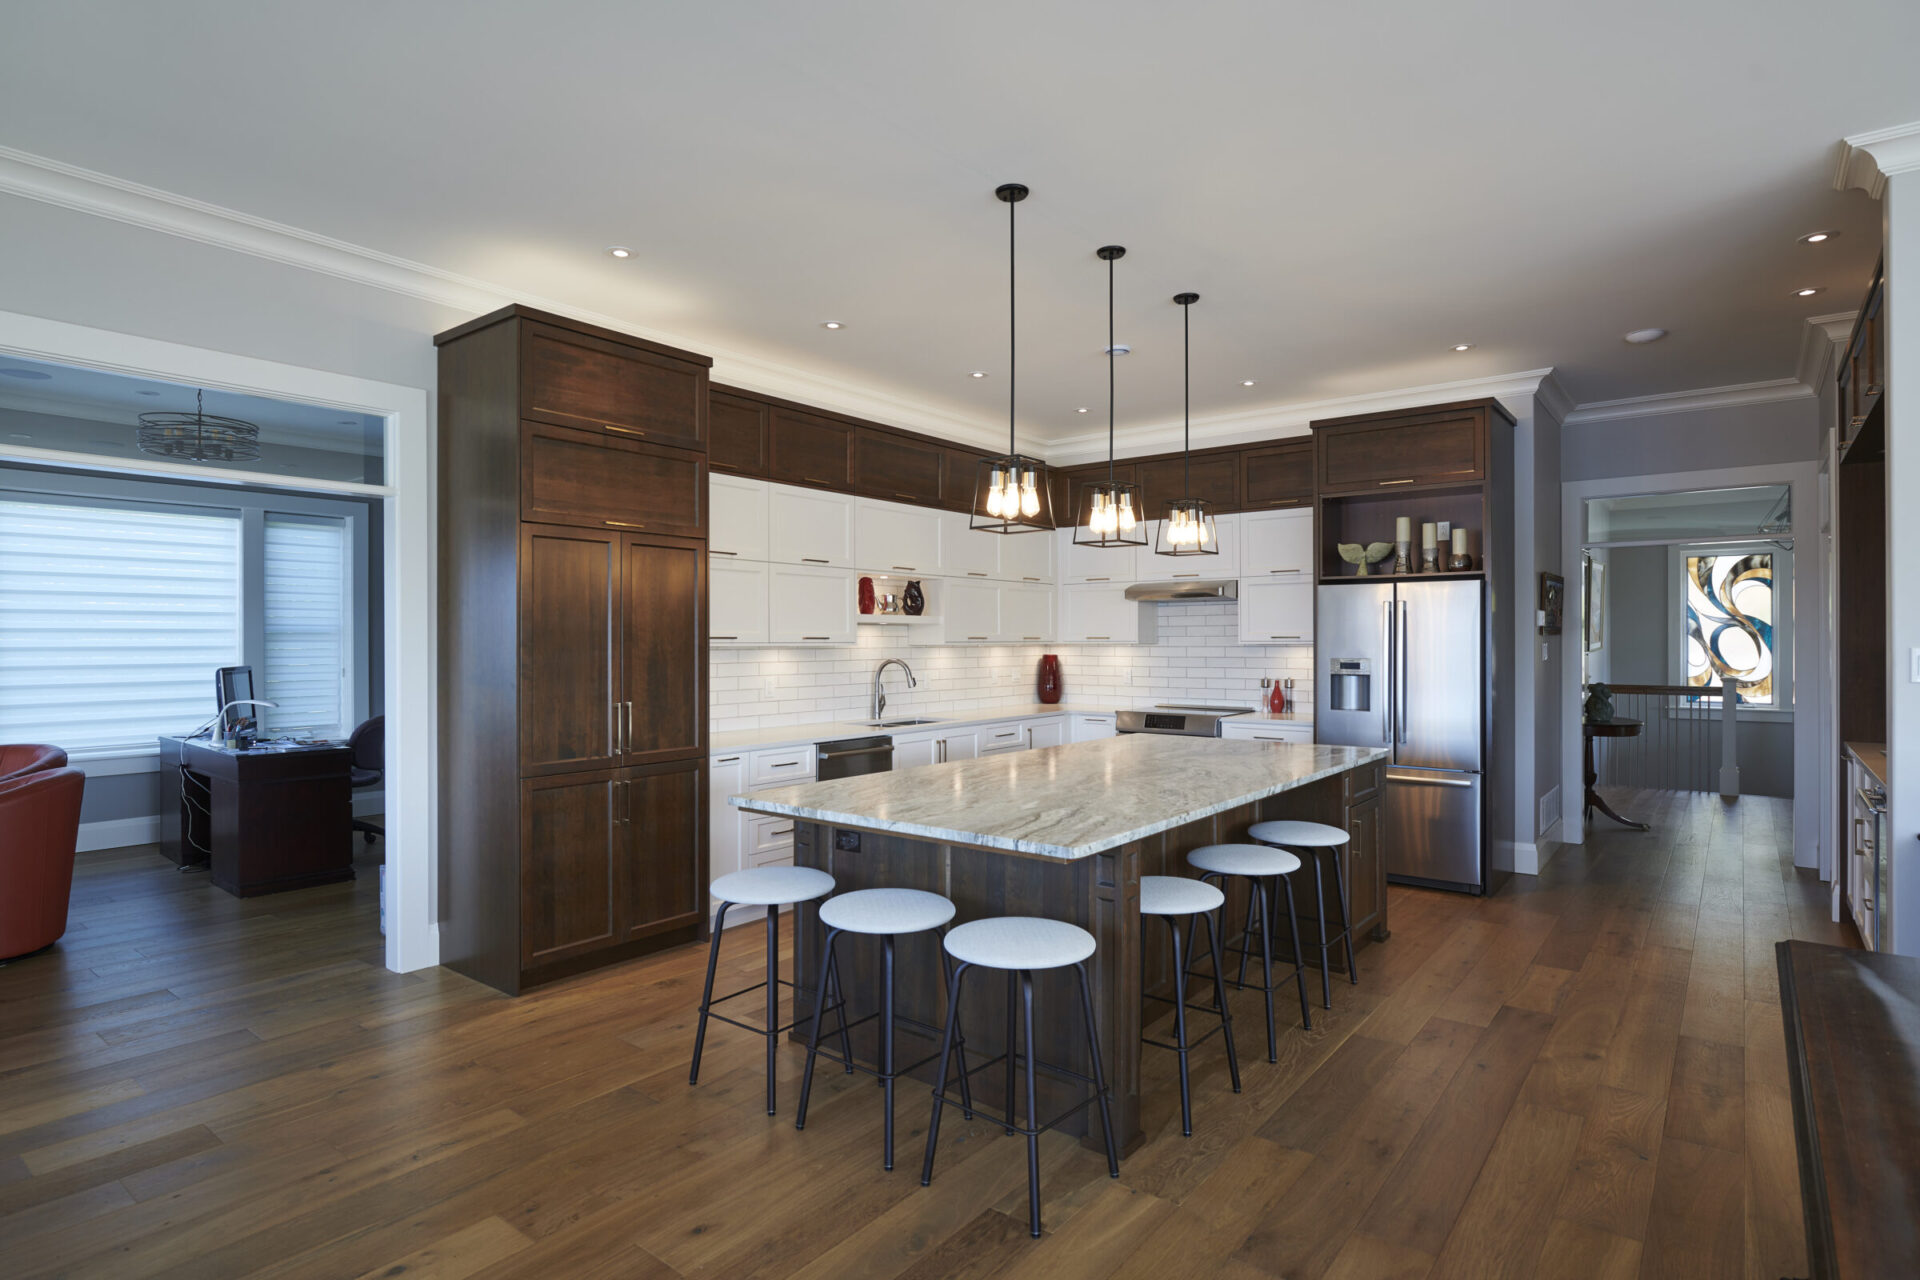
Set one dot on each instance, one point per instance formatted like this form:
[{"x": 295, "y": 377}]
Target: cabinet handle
[
  {"x": 976, "y": 637},
  {"x": 811, "y": 560},
  {"x": 1283, "y": 637},
  {"x": 1186, "y": 575},
  {"x": 908, "y": 496},
  {"x": 816, "y": 637},
  {"x": 1099, "y": 579},
  {"x": 715, "y": 552},
  {"x": 784, "y": 831},
  {"x": 784, "y": 764},
  {"x": 613, "y": 730},
  {"x": 626, "y": 736},
  {"x": 975, "y": 573},
  {"x": 1387, "y": 482},
  {"x": 628, "y": 431},
  {"x": 1099, "y": 637},
  {"x": 815, "y": 480},
  {"x": 1029, "y": 637},
  {"x": 1023, "y": 579},
  {"x": 623, "y": 524},
  {"x": 723, "y": 637},
  {"x": 1269, "y": 571},
  {"x": 728, "y": 760},
  {"x": 906, "y": 568}
]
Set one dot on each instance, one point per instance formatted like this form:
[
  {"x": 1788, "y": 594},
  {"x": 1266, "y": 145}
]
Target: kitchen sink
[{"x": 897, "y": 724}]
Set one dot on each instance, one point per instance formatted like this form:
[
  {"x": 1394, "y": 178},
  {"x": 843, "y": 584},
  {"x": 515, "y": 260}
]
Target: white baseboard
[{"x": 117, "y": 834}]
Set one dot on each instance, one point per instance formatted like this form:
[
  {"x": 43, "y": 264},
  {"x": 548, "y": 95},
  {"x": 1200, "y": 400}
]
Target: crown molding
[
  {"x": 1553, "y": 397},
  {"x": 1819, "y": 340},
  {"x": 1868, "y": 159},
  {"x": 1746, "y": 393},
  {"x": 102, "y": 195},
  {"x": 1245, "y": 426}
]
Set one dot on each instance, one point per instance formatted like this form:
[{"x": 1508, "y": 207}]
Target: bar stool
[
  {"x": 1314, "y": 839},
  {"x": 1171, "y": 897},
  {"x": 1019, "y": 945},
  {"x": 772, "y": 888},
  {"x": 1260, "y": 865},
  {"x": 885, "y": 914}
]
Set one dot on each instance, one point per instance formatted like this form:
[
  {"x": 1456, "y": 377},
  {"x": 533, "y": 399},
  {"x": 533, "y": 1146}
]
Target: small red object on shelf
[
  {"x": 866, "y": 595},
  {"x": 1277, "y": 700},
  {"x": 1050, "y": 683}
]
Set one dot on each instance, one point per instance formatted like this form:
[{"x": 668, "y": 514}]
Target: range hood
[{"x": 1186, "y": 589}]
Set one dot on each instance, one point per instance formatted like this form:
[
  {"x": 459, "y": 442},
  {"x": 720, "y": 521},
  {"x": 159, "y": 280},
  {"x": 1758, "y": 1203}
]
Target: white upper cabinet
[
  {"x": 1024, "y": 557},
  {"x": 1276, "y": 611},
  {"x": 806, "y": 605},
  {"x": 737, "y": 517},
  {"x": 1277, "y": 544},
  {"x": 966, "y": 552},
  {"x": 737, "y": 601},
  {"x": 1026, "y": 613},
  {"x": 1150, "y": 566},
  {"x": 891, "y": 537},
  {"x": 1100, "y": 613},
  {"x": 1092, "y": 564},
  {"x": 972, "y": 610},
  {"x": 809, "y": 526}
]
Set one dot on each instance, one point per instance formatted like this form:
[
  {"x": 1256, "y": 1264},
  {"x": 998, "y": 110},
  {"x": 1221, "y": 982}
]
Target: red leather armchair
[
  {"x": 39, "y": 824},
  {"x": 18, "y": 759}
]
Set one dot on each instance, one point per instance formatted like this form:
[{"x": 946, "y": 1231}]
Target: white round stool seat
[
  {"x": 1244, "y": 860},
  {"x": 1298, "y": 835},
  {"x": 1020, "y": 942},
  {"x": 773, "y": 886},
  {"x": 885, "y": 911},
  {"x": 1177, "y": 896}
]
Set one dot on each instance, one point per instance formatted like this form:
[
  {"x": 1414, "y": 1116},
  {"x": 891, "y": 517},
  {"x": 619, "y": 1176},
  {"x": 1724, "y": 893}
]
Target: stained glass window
[{"x": 1730, "y": 615}]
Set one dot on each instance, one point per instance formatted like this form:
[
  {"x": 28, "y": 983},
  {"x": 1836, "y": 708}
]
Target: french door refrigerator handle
[
  {"x": 1386, "y": 683},
  {"x": 1401, "y": 683}
]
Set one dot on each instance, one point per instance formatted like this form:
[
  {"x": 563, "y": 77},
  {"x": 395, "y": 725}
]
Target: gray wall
[{"x": 1702, "y": 440}]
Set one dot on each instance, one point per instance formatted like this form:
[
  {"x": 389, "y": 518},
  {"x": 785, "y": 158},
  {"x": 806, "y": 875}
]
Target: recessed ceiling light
[
  {"x": 1642, "y": 336},
  {"x": 26, "y": 375},
  {"x": 1117, "y": 349},
  {"x": 1818, "y": 237},
  {"x": 832, "y": 324},
  {"x": 1246, "y": 382},
  {"x": 978, "y": 373},
  {"x": 1463, "y": 346},
  {"x": 1807, "y": 292},
  {"x": 620, "y": 251}
]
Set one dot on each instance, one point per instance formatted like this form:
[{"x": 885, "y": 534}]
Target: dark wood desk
[
  {"x": 1605, "y": 729},
  {"x": 276, "y": 819},
  {"x": 1853, "y": 1066}
]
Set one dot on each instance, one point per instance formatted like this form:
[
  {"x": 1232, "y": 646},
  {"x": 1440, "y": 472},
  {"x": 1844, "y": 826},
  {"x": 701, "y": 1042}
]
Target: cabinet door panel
[
  {"x": 662, "y": 883},
  {"x": 959, "y": 479},
  {"x": 575, "y": 380},
  {"x": 1277, "y": 476},
  {"x": 737, "y": 602},
  {"x": 737, "y": 434},
  {"x": 1276, "y": 612},
  {"x": 1446, "y": 449},
  {"x": 664, "y": 649},
  {"x": 737, "y": 517},
  {"x": 969, "y": 553},
  {"x": 569, "y": 837},
  {"x": 1025, "y": 557},
  {"x": 971, "y": 610},
  {"x": 1277, "y": 544},
  {"x": 1150, "y": 566},
  {"x": 1083, "y": 563},
  {"x": 805, "y": 526},
  {"x": 573, "y": 477},
  {"x": 726, "y": 776},
  {"x": 809, "y": 606},
  {"x": 1215, "y": 477},
  {"x": 897, "y": 468},
  {"x": 1366, "y": 864},
  {"x": 919, "y": 751},
  {"x": 891, "y": 537},
  {"x": 1026, "y": 613},
  {"x": 808, "y": 449},
  {"x": 569, "y": 591},
  {"x": 1080, "y": 481},
  {"x": 1046, "y": 733}
]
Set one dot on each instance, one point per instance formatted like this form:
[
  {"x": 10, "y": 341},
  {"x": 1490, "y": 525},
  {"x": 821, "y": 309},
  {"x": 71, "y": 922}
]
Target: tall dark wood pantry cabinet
[{"x": 573, "y": 647}]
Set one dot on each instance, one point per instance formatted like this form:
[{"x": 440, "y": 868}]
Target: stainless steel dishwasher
[{"x": 852, "y": 757}]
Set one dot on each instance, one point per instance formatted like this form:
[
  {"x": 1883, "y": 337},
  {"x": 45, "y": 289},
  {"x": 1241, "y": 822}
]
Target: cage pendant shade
[
  {"x": 1187, "y": 528},
  {"x": 1110, "y": 514},
  {"x": 1011, "y": 493},
  {"x": 198, "y": 436}
]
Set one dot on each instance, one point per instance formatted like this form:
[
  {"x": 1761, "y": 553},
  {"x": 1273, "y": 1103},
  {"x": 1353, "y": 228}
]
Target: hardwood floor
[{"x": 1582, "y": 1076}]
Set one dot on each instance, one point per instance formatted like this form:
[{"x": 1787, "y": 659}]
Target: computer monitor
[{"x": 234, "y": 684}]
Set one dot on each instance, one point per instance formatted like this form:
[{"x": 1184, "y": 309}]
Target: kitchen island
[{"x": 1066, "y": 832}]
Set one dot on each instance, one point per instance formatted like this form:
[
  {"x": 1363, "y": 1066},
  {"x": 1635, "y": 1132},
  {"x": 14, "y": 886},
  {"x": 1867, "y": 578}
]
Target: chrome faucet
[{"x": 879, "y": 694}]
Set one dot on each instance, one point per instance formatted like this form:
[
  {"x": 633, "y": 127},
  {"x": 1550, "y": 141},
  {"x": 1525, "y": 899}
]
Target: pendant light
[
  {"x": 1188, "y": 528},
  {"x": 1010, "y": 493},
  {"x": 198, "y": 436},
  {"x": 1110, "y": 512}
]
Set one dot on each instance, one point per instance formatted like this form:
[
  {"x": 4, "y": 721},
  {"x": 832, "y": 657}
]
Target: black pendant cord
[
  {"x": 1186, "y": 395},
  {"x": 1013, "y": 343},
  {"x": 1110, "y": 378}
]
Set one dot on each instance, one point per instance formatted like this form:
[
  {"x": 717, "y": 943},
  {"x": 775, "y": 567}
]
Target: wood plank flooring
[{"x": 1582, "y": 1076}]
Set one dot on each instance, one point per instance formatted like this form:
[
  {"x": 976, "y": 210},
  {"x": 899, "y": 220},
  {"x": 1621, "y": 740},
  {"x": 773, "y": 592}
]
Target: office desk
[{"x": 277, "y": 819}]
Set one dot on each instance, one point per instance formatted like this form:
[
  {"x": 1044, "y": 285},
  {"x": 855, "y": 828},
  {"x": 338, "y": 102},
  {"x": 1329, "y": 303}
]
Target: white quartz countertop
[
  {"x": 794, "y": 735},
  {"x": 1303, "y": 716},
  {"x": 1069, "y": 801}
]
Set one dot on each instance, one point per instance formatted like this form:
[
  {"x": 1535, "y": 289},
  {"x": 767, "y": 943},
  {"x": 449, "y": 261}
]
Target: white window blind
[
  {"x": 112, "y": 622},
  {"x": 306, "y": 625}
]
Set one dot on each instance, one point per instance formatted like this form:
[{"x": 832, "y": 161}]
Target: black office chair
[{"x": 367, "y": 766}]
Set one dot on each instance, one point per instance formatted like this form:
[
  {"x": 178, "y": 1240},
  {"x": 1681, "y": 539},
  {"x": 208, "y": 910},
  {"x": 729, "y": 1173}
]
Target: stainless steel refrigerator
[{"x": 1402, "y": 665}]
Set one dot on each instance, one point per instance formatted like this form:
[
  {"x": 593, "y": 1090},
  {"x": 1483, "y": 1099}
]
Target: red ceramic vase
[
  {"x": 1050, "y": 678},
  {"x": 866, "y": 595}
]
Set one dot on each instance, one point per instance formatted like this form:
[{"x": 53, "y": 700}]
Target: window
[
  {"x": 306, "y": 625},
  {"x": 1733, "y": 622},
  {"x": 113, "y": 620}
]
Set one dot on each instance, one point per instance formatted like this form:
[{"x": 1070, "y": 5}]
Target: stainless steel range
[{"x": 1172, "y": 717}]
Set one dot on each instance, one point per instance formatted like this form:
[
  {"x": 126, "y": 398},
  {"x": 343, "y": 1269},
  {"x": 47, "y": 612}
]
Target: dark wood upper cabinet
[
  {"x": 896, "y": 467},
  {"x": 569, "y": 594},
  {"x": 574, "y": 379},
  {"x": 662, "y": 809},
  {"x": 1277, "y": 476},
  {"x": 959, "y": 478},
  {"x": 1398, "y": 450},
  {"x": 576, "y": 477},
  {"x": 663, "y": 651},
  {"x": 1215, "y": 477},
  {"x": 809, "y": 449},
  {"x": 737, "y": 434},
  {"x": 572, "y": 846}
]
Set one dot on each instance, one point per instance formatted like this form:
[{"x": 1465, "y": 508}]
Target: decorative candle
[
  {"x": 1427, "y": 534},
  {"x": 1402, "y": 529},
  {"x": 1459, "y": 561},
  {"x": 1459, "y": 542}
]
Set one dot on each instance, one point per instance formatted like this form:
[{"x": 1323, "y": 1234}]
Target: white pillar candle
[
  {"x": 1402, "y": 529},
  {"x": 1427, "y": 536},
  {"x": 1459, "y": 542}
]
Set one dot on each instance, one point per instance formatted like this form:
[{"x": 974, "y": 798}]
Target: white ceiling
[{"x": 1351, "y": 188}]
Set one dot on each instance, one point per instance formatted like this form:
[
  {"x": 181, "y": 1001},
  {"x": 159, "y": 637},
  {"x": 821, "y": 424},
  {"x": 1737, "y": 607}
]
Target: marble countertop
[
  {"x": 1069, "y": 801},
  {"x": 1275, "y": 717},
  {"x": 794, "y": 735}
]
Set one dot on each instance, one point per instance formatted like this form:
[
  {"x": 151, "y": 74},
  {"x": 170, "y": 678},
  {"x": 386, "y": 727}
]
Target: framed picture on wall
[
  {"x": 1596, "y": 604},
  {"x": 1553, "y": 603}
]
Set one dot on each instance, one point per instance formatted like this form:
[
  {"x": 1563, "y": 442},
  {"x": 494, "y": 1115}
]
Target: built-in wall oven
[{"x": 852, "y": 757}]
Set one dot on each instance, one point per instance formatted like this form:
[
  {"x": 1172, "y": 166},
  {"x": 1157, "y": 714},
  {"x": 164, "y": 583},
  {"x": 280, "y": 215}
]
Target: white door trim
[{"x": 408, "y": 511}]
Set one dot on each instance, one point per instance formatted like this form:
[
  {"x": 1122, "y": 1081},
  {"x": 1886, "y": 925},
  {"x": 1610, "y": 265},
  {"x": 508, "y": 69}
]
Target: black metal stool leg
[
  {"x": 1266, "y": 962},
  {"x": 1013, "y": 1021},
  {"x": 1299, "y": 970},
  {"x": 960, "y": 1045},
  {"x": 1099, "y": 1075},
  {"x": 839, "y": 999},
  {"x": 1346, "y": 915},
  {"x": 1220, "y": 1000},
  {"x": 773, "y": 997},
  {"x": 1320, "y": 912},
  {"x": 1180, "y": 1023},
  {"x": 946, "y": 1060},
  {"x": 1246, "y": 934},
  {"x": 813, "y": 1037},
  {"x": 886, "y": 1041},
  {"x": 1033, "y": 1108},
  {"x": 706, "y": 994}
]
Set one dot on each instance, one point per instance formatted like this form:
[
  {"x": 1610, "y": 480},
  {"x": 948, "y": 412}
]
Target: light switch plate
[
  {"x": 1913, "y": 665},
  {"x": 770, "y": 687}
]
